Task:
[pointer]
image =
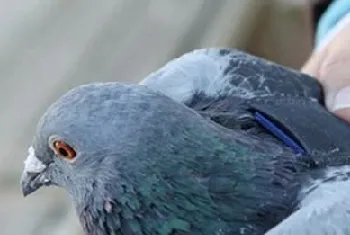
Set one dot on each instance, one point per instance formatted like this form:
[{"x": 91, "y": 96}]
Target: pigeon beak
[
  {"x": 33, "y": 176},
  {"x": 30, "y": 183}
]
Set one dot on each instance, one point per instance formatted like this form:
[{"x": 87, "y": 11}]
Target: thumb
[
  {"x": 332, "y": 68},
  {"x": 330, "y": 64}
]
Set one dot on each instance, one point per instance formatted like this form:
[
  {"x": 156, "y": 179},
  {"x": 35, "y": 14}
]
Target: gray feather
[{"x": 171, "y": 157}]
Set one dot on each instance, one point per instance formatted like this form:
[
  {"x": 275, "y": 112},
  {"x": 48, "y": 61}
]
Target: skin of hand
[{"x": 330, "y": 64}]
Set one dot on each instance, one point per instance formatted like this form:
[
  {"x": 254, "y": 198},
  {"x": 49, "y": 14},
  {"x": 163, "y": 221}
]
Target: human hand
[{"x": 330, "y": 62}]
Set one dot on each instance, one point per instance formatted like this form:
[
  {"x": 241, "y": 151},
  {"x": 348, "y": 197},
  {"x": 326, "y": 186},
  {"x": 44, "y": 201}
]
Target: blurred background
[{"x": 47, "y": 47}]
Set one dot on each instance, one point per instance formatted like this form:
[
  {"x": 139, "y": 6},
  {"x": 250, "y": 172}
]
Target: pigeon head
[{"x": 97, "y": 134}]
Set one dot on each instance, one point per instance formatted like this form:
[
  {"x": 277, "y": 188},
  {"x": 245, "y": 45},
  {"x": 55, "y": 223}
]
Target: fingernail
[{"x": 339, "y": 100}]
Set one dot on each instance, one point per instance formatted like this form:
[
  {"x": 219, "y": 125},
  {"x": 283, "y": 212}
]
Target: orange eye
[{"x": 64, "y": 150}]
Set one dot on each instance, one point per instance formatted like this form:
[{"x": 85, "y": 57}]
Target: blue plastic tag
[{"x": 280, "y": 134}]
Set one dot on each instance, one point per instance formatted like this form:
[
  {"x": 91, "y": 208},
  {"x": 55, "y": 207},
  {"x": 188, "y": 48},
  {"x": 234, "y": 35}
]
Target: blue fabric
[
  {"x": 335, "y": 12},
  {"x": 280, "y": 134}
]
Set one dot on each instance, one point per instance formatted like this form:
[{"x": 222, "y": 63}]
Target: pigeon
[{"x": 217, "y": 141}]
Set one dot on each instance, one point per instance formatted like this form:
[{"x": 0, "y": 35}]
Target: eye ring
[{"x": 64, "y": 150}]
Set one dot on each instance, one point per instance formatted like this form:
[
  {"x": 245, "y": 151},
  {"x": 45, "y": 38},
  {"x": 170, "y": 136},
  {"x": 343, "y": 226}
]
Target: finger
[{"x": 330, "y": 63}]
